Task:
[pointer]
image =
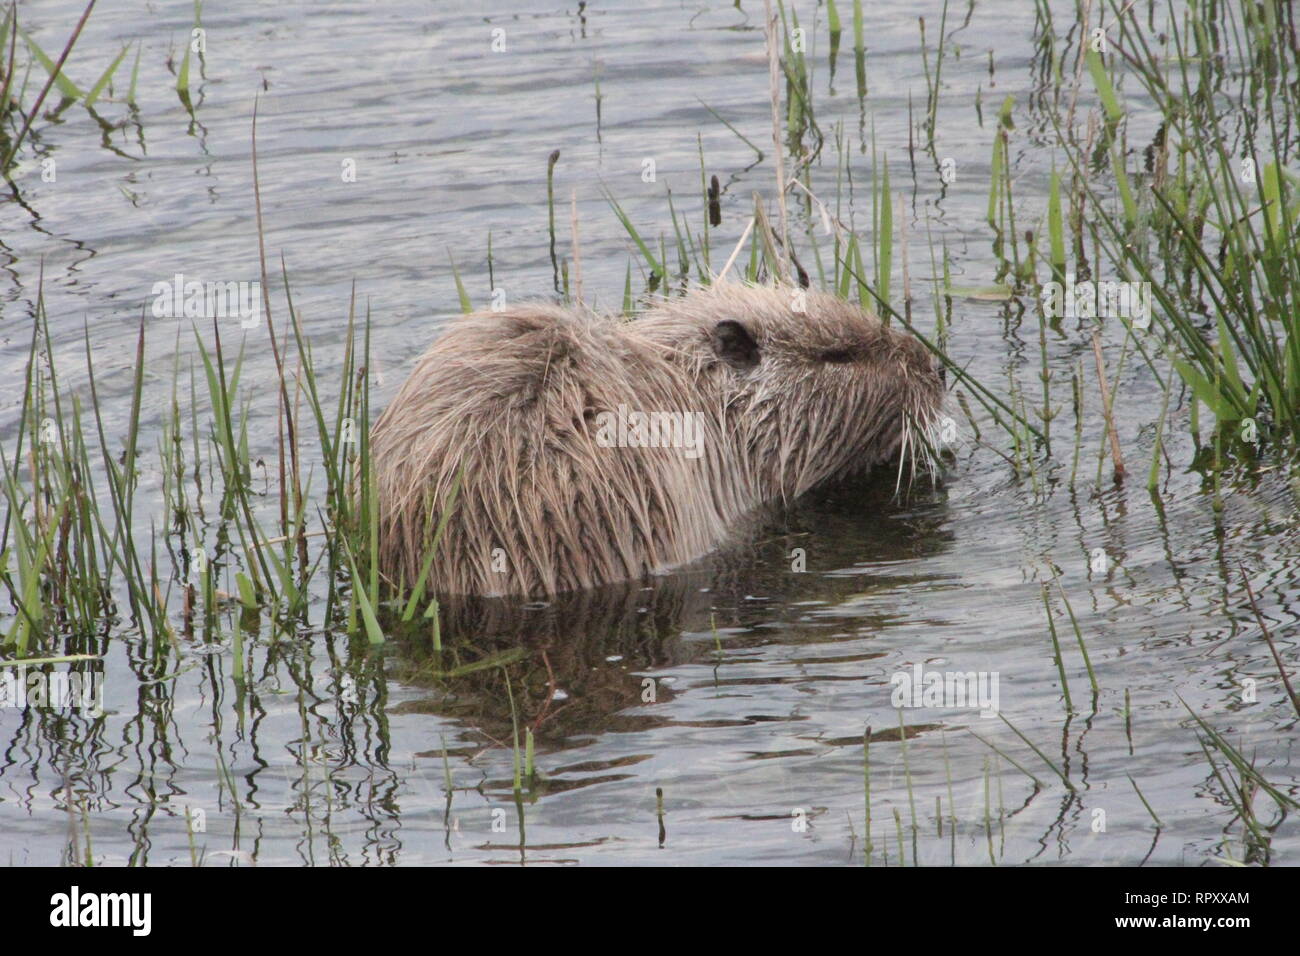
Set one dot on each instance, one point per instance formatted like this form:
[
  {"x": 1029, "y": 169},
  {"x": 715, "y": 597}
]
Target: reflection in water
[{"x": 569, "y": 668}]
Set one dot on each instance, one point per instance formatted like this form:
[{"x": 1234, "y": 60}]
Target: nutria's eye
[{"x": 838, "y": 356}]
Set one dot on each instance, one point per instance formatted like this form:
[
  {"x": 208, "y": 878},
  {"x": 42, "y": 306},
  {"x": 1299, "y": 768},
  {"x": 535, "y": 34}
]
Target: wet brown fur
[{"x": 512, "y": 398}]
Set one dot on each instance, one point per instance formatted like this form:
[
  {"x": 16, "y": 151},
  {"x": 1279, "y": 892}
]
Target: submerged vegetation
[{"x": 1174, "y": 130}]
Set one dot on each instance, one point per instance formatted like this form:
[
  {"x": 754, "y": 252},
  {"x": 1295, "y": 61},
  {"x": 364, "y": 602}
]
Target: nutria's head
[{"x": 812, "y": 387}]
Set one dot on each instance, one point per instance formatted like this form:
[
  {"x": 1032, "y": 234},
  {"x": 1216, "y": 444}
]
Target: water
[{"x": 762, "y": 680}]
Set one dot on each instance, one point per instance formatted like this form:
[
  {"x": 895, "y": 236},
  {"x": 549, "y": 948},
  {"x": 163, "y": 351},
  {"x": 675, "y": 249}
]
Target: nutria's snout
[{"x": 594, "y": 449}]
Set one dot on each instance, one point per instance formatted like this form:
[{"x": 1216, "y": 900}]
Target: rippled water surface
[{"x": 718, "y": 717}]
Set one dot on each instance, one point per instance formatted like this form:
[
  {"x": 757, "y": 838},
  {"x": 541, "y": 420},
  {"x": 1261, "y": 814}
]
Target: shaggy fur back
[{"x": 514, "y": 400}]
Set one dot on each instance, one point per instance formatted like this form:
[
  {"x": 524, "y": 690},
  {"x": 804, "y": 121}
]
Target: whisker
[{"x": 902, "y": 453}]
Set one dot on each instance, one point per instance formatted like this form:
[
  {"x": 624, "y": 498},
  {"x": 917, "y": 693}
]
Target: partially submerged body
[{"x": 594, "y": 449}]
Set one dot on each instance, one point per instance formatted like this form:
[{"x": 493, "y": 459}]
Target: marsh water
[{"x": 718, "y": 716}]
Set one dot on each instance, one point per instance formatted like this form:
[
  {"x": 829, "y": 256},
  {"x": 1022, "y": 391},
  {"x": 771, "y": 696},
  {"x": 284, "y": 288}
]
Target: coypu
[{"x": 595, "y": 449}]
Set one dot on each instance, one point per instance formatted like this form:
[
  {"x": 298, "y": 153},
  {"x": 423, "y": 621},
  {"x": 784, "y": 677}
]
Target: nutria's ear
[{"x": 734, "y": 345}]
